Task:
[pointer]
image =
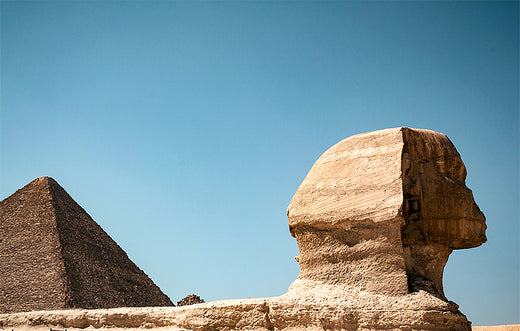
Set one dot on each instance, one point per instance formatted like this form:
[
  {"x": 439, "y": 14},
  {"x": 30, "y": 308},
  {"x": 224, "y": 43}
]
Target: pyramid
[{"x": 53, "y": 255}]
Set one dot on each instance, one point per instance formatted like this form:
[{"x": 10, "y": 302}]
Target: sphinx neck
[{"x": 363, "y": 257}]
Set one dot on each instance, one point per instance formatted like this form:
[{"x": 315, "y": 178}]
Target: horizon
[{"x": 184, "y": 129}]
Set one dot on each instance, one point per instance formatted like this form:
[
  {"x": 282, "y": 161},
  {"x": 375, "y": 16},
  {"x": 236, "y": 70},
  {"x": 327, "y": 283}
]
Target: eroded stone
[{"x": 382, "y": 211}]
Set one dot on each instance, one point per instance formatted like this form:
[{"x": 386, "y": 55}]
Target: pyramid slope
[
  {"x": 89, "y": 269},
  {"x": 33, "y": 272}
]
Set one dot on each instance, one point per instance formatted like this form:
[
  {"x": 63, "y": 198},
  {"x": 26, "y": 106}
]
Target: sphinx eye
[{"x": 460, "y": 170}]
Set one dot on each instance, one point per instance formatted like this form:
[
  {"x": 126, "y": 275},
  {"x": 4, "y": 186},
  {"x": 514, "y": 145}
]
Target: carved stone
[{"x": 381, "y": 212}]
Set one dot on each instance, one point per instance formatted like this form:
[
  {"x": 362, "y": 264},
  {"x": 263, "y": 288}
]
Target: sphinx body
[{"x": 375, "y": 219}]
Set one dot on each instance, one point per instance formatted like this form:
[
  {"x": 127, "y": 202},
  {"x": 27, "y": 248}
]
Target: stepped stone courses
[
  {"x": 55, "y": 256},
  {"x": 375, "y": 220},
  {"x": 191, "y": 299}
]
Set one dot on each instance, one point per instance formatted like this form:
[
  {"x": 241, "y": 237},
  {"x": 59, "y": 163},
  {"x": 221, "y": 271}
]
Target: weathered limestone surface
[
  {"x": 381, "y": 212},
  {"x": 53, "y": 255},
  {"x": 289, "y": 312},
  {"x": 375, "y": 221}
]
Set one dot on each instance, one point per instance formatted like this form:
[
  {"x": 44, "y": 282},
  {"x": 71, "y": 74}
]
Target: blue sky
[{"x": 184, "y": 128}]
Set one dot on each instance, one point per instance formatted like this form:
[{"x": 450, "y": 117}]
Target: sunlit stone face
[{"x": 356, "y": 180}]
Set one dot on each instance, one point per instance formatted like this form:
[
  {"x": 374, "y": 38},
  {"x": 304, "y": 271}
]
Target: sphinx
[{"x": 381, "y": 212}]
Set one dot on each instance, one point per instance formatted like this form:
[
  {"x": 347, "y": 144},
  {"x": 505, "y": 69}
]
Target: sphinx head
[{"x": 382, "y": 211}]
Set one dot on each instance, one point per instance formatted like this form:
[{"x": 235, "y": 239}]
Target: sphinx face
[
  {"x": 439, "y": 211},
  {"x": 437, "y": 200}
]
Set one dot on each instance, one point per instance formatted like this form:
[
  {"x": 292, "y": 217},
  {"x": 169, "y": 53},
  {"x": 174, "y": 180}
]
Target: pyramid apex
[
  {"x": 44, "y": 179},
  {"x": 46, "y": 183},
  {"x": 43, "y": 185}
]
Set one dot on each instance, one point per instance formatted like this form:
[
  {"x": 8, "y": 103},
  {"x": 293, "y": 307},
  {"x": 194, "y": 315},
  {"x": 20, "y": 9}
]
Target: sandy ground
[
  {"x": 512, "y": 327},
  {"x": 73, "y": 329}
]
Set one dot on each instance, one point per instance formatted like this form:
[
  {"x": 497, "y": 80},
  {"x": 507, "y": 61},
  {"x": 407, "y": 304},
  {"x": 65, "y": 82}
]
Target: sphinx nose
[
  {"x": 477, "y": 214},
  {"x": 472, "y": 208}
]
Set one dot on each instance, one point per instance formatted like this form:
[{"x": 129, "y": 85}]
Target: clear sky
[{"x": 184, "y": 128}]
